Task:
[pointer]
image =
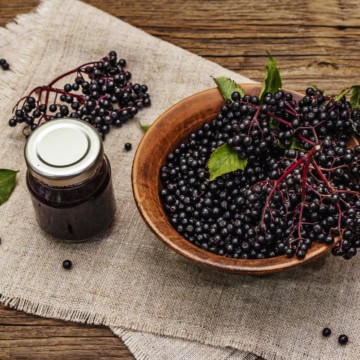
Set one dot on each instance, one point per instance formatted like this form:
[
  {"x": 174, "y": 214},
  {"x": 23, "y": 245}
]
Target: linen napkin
[
  {"x": 146, "y": 346},
  {"x": 160, "y": 303}
]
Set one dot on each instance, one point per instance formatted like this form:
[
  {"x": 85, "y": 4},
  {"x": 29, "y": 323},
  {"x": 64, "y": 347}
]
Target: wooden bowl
[{"x": 170, "y": 129}]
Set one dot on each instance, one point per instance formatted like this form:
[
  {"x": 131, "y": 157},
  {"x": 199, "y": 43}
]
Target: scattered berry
[
  {"x": 4, "y": 64},
  {"x": 326, "y": 332},
  {"x": 127, "y": 146},
  {"x": 67, "y": 264},
  {"x": 343, "y": 339}
]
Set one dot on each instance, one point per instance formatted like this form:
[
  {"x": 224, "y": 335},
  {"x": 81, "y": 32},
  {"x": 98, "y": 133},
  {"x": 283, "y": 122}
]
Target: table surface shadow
[{"x": 314, "y": 42}]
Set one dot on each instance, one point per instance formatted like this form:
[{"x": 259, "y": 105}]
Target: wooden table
[{"x": 314, "y": 42}]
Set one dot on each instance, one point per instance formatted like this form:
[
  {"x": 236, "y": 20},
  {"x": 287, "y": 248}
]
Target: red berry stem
[
  {"x": 280, "y": 120},
  {"x": 288, "y": 171},
  {"x": 79, "y": 69}
]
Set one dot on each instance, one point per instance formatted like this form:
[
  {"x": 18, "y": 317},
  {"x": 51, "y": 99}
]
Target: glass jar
[{"x": 69, "y": 179}]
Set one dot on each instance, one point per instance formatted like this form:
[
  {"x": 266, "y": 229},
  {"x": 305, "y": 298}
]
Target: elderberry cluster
[
  {"x": 300, "y": 184},
  {"x": 101, "y": 94}
]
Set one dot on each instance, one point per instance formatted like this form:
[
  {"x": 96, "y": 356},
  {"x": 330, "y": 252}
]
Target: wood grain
[
  {"x": 314, "y": 41},
  {"x": 24, "y": 336}
]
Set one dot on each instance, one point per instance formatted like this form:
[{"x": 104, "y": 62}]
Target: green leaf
[
  {"x": 273, "y": 124},
  {"x": 355, "y": 96},
  {"x": 224, "y": 160},
  {"x": 144, "y": 128},
  {"x": 7, "y": 184},
  {"x": 272, "y": 82},
  {"x": 342, "y": 93},
  {"x": 279, "y": 144},
  {"x": 295, "y": 144},
  {"x": 317, "y": 88},
  {"x": 227, "y": 86}
]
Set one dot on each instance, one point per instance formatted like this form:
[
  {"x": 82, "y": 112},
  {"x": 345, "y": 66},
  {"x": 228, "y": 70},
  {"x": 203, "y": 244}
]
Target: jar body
[{"x": 75, "y": 212}]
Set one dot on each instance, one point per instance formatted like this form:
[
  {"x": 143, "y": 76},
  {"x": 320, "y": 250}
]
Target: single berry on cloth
[
  {"x": 343, "y": 339},
  {"x": 127, "y": 146},
  {"x": 67, "y": 264},
  {"x": 326, "y": 332},
  {"x": 100, "y": 93}
]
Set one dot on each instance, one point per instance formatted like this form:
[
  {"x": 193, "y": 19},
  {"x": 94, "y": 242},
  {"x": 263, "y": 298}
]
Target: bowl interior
[{"x": 170, "y": 129}]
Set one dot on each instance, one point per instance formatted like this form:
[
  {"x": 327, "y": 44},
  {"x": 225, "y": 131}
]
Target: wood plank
[
  {"x": 24, "y": 336},
  {"x": 313, "y": 41}
]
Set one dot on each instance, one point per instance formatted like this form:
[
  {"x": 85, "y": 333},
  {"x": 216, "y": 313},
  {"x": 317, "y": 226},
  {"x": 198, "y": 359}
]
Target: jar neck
[{"x": 53, "y": 184}]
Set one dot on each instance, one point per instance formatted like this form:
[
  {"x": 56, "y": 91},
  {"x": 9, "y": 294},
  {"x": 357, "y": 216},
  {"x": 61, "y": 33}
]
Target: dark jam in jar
[{"x": 69, "y": 179}]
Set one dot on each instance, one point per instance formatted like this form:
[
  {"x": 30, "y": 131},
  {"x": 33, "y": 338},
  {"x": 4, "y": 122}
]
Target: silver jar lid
[{"x": 64, "y": 152}]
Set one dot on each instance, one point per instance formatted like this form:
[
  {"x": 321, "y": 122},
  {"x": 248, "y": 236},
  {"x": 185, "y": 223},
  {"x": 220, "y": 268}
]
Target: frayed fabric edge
[{"x": 30, "y": 24}]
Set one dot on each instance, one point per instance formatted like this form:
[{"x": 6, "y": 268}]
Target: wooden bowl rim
[{"x": 183, "y": 246}]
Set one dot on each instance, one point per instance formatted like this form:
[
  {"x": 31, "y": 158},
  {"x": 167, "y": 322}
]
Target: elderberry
[
  {"x": 343, "y": 339},
  {"x": 67, "y": 264}
]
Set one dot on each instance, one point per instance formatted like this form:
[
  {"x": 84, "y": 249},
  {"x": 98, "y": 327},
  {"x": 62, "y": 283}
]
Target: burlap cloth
[{"x": 127, "y": 279}]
